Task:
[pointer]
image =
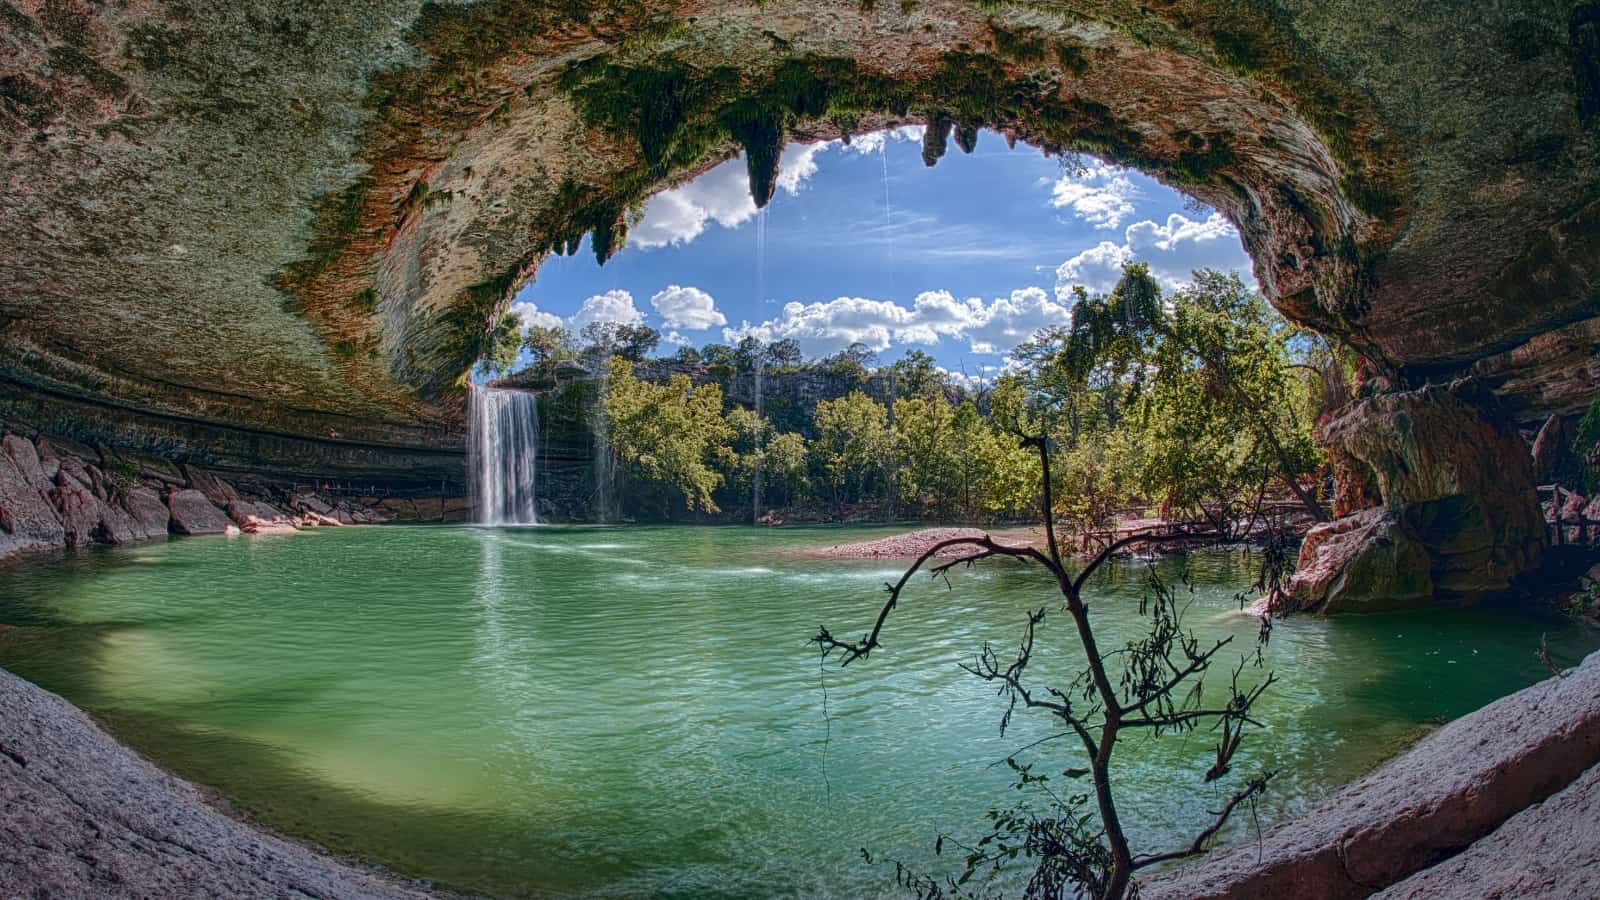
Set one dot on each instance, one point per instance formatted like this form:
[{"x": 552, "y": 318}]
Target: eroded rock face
[
  {"x": 328, "y": 238},
  {"x": 1458, "y": 511}
]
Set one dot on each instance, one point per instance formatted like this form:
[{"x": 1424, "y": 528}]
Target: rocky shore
[
  {"x": 58, "y": 493},
  {"x": 82, "y": 816},
  {"x": 1499, "y": 803}
]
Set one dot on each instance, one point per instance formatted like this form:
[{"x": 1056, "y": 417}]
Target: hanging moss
[
  {"x": 1023, "y": 46},
  {"x": 1072, "y": 60},
  {"x": 761, "y": 135}
]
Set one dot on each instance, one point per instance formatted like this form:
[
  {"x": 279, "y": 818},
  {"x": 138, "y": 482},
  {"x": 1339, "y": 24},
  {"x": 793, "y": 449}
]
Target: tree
[
  {"x": 924, "y": 453},
  {"x": 667, "y": 432},
  {"x": 631, "y": 342},
  {"x": 548, "y": 344},
  {"x": 784, "y": 465},
  {"x": 1074, "y": 851},
  {"x": 719, "y": 355},
  {"x": 500, "y": 347},
  {"x": 916, "y": 375},
  {"x": 784, "y": 354},
  {"x": 851, "y": 445}
]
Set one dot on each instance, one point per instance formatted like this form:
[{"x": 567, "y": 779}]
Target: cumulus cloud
[
  {"x": 612, "y": 306},
  {"x": 1173, "y": 250},
  {"x": 531, "y": 315},
  {"x": 992, "y": 327},
  {"x": 688, "y": 308},
  {"x": 1103, "y": 196}
]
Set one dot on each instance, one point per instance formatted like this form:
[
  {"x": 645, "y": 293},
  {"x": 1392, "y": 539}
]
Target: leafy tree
[
  {"x": 719, "y": 355},
  {"x": 631, "y": 342},
  {"x": 924, "y": 454},
  {"x": 500, "y": 347},
  {"x": 916, "y": 375},
  {"x": 548, "y": 344},
  {"x": 667, "y": 433},
  {"x": 784, "y": 354},
  {"x": 851, "y": 445},
  {"x": 687, "y": 356},
  {"x": 784, "y": 465}
]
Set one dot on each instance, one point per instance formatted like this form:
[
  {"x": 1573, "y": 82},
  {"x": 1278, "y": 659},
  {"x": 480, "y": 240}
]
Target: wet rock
[
  {"x": 193, "y": 513},
  {"x": 1455, "y": 787},
  {"x": 27, "y": 520},
  {"x": 1365, "y": 562}
]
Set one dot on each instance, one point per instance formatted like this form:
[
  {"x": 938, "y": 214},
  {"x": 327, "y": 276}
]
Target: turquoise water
[{"x": 634, "y": 711}]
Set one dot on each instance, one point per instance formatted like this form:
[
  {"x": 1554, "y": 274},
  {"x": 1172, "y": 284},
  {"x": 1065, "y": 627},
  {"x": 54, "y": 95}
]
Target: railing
[{"x": 1576, "y": 529}]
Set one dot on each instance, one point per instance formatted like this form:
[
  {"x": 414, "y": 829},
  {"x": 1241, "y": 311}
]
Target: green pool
[{"x": 633, "y": 711}]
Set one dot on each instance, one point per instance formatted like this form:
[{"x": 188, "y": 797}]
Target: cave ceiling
[{"x": 304, "y": 217}]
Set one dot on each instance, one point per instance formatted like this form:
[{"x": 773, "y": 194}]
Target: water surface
[{"x": 634, "y": 711}]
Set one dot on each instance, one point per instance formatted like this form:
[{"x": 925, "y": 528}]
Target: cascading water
[
  {"x": 503, "y": 454},
  {"x": 604, "y": 504}
]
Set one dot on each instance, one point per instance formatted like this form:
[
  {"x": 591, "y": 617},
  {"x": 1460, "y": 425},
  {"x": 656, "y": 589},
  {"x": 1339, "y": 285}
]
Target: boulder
[
  {"x": 149, "y": 514},
  {"x": 27, "y": 520},
  {"x": 1365, "y": 562},
  {"x": 244, "y": 511},
  {"x": 78, "y": 509},
  {"x": 1456, "y": 786},
  {"x": 311, "y": 502},
  {"x": 1457, "y": 473},
  {"x": 216, "y": 490},
  {"x": 26, "y": 458},
  {"x": 193, "y": 513},
  {"x": 143, "y": 465},
  {"x": 1354, "y": 485}
]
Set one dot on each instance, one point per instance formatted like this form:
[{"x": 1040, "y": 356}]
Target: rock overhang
[{"x": 308, "y": 220}]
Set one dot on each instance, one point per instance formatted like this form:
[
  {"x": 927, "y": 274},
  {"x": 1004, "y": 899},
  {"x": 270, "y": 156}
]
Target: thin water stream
[{"x": 632, "y": 711}]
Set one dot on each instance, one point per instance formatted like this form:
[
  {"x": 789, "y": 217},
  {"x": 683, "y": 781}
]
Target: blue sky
[{"x": 962, "y": 260}]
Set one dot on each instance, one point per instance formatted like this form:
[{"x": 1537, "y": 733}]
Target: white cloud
[
  {"x": 532, "y": 315},
  {"x": 875, "y": 141},
  {"x": 688, "y": 308},
  {"x": 722, "y": 195},
  {"x": 1102, "y": 196},
  {"x": 993, "y": 327},
  {"x": 612, "y": 306},
  {"x": 1173, "y": 250}
]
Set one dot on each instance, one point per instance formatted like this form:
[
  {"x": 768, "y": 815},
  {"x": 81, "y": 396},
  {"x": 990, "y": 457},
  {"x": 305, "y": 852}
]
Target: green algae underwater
[{"x": 635, "y": 711}]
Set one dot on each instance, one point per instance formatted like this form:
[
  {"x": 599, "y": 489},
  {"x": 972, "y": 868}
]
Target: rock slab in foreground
[
  {"x": 1456, "y": 786},
  {"x": 82, "y": 816}
]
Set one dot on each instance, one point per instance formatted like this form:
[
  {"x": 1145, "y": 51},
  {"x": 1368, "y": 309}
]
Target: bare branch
[{"x": 1253, "y": 788}]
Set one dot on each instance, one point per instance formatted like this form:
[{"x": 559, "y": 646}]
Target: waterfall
[
  {"x": 502, "y": 456},
  {"x": 604, "y": 476}
]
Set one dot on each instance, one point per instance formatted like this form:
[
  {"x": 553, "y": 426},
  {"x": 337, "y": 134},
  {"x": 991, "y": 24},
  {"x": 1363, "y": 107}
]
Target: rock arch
[{"x": 295, "y": 227}]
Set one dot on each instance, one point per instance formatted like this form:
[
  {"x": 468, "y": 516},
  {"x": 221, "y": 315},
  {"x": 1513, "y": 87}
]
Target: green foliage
[
  {"x": 632, "y": 342},
  {"x": 851, "y": 446},
  {"x": 500, "y": 347},
  {"x": 548, "y": 344},
  {"x": 667, "y": 433}
]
